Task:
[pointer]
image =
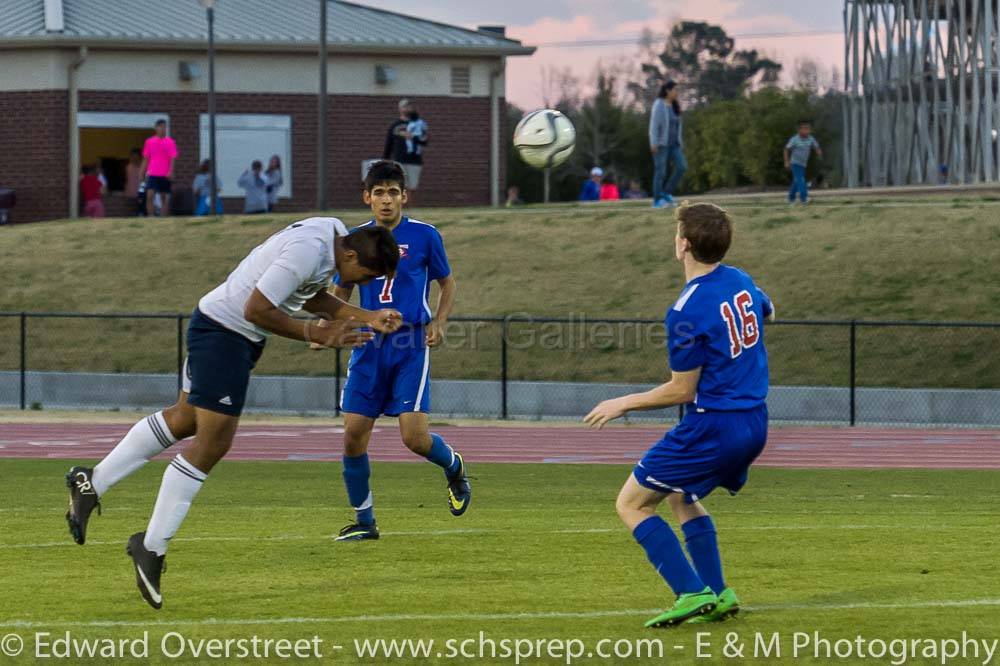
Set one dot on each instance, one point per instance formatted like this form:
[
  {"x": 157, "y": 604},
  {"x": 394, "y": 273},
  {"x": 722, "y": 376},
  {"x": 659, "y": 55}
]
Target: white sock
[
  {"x": 181, "y": 482},
  {"x": 147, "y": 438}
]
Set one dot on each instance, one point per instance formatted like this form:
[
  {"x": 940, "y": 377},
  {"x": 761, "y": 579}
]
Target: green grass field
[
  {"x": 884, "y": 554},
  {"x": 931, "y": 258}
]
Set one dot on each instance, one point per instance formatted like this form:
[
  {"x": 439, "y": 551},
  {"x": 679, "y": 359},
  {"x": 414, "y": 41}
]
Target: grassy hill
[{"x": 933, "y": 258}]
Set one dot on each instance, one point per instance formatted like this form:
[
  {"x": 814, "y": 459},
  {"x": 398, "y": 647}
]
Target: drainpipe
[
  {"x": 74, "y": 133},
  {"x": 495, "y": 74}
]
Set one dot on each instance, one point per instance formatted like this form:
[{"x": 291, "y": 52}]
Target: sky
[{"x": 537, "y": 22}]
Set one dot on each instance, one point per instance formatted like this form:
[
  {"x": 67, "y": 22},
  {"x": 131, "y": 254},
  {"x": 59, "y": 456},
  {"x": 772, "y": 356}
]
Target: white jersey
[{"x": 289, "y": 268}]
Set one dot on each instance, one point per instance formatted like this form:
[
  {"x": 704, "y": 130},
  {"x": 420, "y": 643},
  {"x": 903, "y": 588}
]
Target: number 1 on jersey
[
  {"x": 747, "y": 333},
  {"x": 386, "y": 294}
]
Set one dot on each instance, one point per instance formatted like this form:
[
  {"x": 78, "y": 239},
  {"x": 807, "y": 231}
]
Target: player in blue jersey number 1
[
  {"x": 715, "y": 344},
  {"x": 391, "y": 374}
]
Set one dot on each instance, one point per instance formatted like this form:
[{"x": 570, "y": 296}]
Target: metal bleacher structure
[{"x": 922, "y": 83}]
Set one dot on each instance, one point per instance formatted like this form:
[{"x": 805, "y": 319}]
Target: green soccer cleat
[
  {"x": 687, "y": 606},
  {"x": 459, "y": 490},
  {"x": 726, "y": 607}
]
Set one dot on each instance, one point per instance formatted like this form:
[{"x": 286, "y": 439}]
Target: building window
[
  {"x": 242, "y": 138},
  {"x": 460, "y": 80},
  {"x": 108, "y": 138}
]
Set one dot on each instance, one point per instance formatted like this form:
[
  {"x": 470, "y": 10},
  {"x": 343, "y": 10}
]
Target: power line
[{"x": 635, "y": 39}]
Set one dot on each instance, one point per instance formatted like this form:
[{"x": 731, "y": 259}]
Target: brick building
[{"x": 83, "y": 81}]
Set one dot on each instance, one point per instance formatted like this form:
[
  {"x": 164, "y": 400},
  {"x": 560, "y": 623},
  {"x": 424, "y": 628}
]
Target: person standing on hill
[
  {"x": 158, "y": 155},
  {"x": 797, "y": 152},
  {"x": 667, "y": 145}
]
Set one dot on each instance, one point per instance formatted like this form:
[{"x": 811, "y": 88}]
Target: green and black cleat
[
  {"x": 358, "y": 532},
  {"x": 686, "y": 607},
  {"x": 727, "y": 606},
  {"x": 82, "y": 502},
  {"x": 459, "y": 490}
]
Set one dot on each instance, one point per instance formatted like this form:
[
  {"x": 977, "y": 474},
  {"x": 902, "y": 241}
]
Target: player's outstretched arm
[
  {"x": 261, "y": 312},
  {"x": 681, "y": 389},
  {"x": 328, "y": 306}
]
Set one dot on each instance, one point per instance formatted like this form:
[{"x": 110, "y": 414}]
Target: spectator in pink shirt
[{"x": 158, "y": 155}]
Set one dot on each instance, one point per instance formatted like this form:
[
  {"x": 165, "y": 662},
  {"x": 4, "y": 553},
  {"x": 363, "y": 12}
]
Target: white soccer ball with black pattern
[{"x": 545, "y": 138}]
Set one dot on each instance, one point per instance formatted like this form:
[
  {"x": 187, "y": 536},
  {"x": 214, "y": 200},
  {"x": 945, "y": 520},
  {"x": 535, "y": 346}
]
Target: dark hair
[
  {"x": 205, "y": 166},
  {"x": 805, "y": 122},
  {"x": 667, "y": 87},
  {"x": 274, "y": 158},
  {"x": 256, "y": 165},
  {"x": 376, "y": 248},
  {"x": 88, "y": 169},
  {"x": 708, "y": 228},
  {"x": 159, "y": 122},
  {"x": 384, "y": 171}
]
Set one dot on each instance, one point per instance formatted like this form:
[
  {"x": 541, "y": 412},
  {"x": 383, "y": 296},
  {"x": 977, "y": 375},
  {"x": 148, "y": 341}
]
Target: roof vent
[
  {"x": 54, "y": 16},
  {"x": 461, "y": 80},
  {"x": 499, "y": 30}
]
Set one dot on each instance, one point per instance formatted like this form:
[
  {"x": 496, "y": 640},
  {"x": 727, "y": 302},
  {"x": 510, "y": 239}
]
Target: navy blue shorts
[
  {"x": 159, "y": 184},
  {"x": 218, "y": 366},
  {"x": 389, "y": 375},
  {"x": 705, "y": 451}
]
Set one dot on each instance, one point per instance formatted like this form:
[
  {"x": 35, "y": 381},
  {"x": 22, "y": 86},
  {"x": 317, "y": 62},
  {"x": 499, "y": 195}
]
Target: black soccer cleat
[
  {"x": 148, "y": 568},
  {"x": 82, "y": 501},
  {"x": 358, "y": 532},
  {"x": 459, "y": 490}
]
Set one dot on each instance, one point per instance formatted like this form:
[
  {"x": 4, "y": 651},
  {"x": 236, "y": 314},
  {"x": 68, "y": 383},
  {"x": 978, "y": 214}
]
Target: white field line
[
  {"x": 474, "y": 531},
  {"x": 530, "y": 615}
]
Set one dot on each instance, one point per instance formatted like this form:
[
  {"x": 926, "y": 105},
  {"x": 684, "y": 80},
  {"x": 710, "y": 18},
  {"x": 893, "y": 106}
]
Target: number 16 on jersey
[{"x": 745, "y": 333}]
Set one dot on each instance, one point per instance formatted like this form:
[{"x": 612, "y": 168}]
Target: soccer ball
[{"x": 545, "y": 138}]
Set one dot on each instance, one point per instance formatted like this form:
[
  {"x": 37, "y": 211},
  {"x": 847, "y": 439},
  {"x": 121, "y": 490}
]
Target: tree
[
  {"x": 560, "y": 88},
  {"x": 807, "y": 75},
  {"x": 701, "y": 58}
]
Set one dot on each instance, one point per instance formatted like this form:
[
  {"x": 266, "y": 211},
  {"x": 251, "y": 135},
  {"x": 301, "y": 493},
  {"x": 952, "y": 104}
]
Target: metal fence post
[
  {"x": 180, "y": 352},
  {"x": 854, "y": 355},
  {"x": 24, "y": 358},
  {"x": 336, "y": 384},
  {"x": 503, "y": 369}
]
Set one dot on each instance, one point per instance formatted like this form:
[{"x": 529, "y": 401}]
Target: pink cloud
[{"x": 524, "y": 79}]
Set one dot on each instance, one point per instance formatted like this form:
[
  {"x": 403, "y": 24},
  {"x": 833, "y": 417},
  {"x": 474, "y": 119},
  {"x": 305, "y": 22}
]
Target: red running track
[{"x": 787, "y": 447}]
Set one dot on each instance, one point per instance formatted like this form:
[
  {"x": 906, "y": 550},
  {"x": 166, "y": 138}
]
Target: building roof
[{"x": 259, "y": 24}]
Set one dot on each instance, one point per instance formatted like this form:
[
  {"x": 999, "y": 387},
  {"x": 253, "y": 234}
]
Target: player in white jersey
[{"x": 287, "y": 273}]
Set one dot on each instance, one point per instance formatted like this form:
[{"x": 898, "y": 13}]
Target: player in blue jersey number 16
[
  {"x": 391, "y": 374},
  {"x": 715, "y": 345}
]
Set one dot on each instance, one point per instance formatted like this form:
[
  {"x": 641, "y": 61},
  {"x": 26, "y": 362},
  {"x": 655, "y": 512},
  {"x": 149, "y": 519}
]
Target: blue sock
[
  {"x": 357, "y": 471},
  {"x": 699, "y": 535},
  {"x": 443, "y": 455},
  {"x": 665, "y": 553}
]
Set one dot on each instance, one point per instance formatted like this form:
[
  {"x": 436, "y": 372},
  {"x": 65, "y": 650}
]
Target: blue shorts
[
  {"x": 218, "y": 366},
  {"x": 704, "y": 451},
  {"x": 159, "y": 184},
  {"x": 389, "y": 375}
]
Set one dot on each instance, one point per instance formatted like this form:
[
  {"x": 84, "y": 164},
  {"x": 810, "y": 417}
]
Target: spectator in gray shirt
[
  {"x": 667, "y": 146},
  {"x": 256, "y": 187}
]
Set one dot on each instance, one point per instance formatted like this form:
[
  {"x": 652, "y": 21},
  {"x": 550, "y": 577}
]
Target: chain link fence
[{"x": 525, "y": 367}]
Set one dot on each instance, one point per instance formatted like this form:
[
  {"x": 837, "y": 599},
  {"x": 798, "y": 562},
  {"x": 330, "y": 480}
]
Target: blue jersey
[
  {"x": 717, "y": 325},
  {"x": 422, "y": 259}
]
